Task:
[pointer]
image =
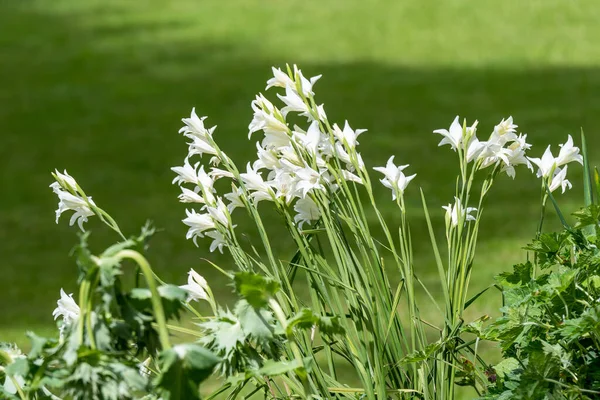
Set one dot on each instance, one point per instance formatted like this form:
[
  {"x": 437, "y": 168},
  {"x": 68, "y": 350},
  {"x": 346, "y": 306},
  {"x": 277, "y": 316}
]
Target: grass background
[{"x": 99, "y": 87}]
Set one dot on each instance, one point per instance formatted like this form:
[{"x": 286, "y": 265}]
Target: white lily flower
[
  {"x": 347, "y": 136},
  {"x": 266, "y": 159},
  {"x": 186, "y": 173},
  {"x": 515, "y": 155},
  {"x": 560, "y": 180},
  {"x": 475, "y": 148},
  {"x": 219, "y": 213},
  {"x": 189, "y": 196},
  {"x": 219, "y": 241},
  {"x": 200, "y": 146},
  {"x": 284, "y": 184},
  {"x": 198, "y": 223},
  {"x": 194, "y": 127},
  {"x": 456, "y": 213},
  {"x": 568, "y": 153},
  {"x": 452, "y": 136},
  {"x": 394, "y": 177},
  {"x": 321, "y": 112},
  {"x": 279, "y": 79},
  {"x": 66, "y": 308},
  {"x": 349, "y": 176},
  {"x": 504, "y": 132},
  {"x": 234, "y": 198},
  {"x": 65, "y": 180},
  {"x": 196, "y": 287},
  {"x": 218, "y": 173},
  {"x": 264, "y": 117},
  {"x": 71, "y": 202},
  {"x": 276, "y": 140},
  {"x": 293, "y": 102},
  {"x": 546, "y": 164},
  {"x": 307, "y": 211},
  {"x": 307, "y": 179},
  {"x": 311, "y": 139},
  {"x": 306, "y": 84},
  {"x": 254, "y": 182}
]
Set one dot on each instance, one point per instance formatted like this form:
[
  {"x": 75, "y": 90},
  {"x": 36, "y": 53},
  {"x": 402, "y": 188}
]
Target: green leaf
[
  {"x": 183, "y": 368},
  {"x": 19, "y": 367},
  {"x": 256, "y": 289},
  {"x": 257, "y": 323},
  {"x": 173, "y": 299},
  {"x": 506, "y": 366},
  {"x": 274, "y": 368},
  {"x": 305, "y": 319},
  {"x": 331, "y": 325},
  {"x": 521, "y": 275}
]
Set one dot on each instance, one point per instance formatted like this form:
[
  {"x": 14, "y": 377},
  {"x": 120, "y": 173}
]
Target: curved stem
[{"x": 159, "y": 311}]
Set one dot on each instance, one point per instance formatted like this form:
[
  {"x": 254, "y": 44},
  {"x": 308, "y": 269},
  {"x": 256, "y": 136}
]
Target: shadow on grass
[{"x": 105, "y": 103}]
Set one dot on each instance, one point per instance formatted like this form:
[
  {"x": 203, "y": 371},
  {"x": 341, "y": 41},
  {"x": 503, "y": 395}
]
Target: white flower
[
  {"x": 349, "y": 176},
  {"x": 217, "y": 173},
  {"x": 559, "y": 180},
  {"x": 546, "y": 164},
  {"x": 453, "y": 136},
  {"x": 194, "y": 128},
  {"x": 186, "y": 174},
  {"x": 279, "y": 79},
  {"x": 198, "y": 223},
  {"x": 71, "y": 202},
  {"x": 475, "y": 148},
  {"x": 189, "y": 196},
  {"x": 307, "y": 211},
  {"x": 515, "y": 155},
  {"x": 311, "y": 139},
  {"x": 276, "y": 140},
  {"x": 347, "y": 136},
  {"x": 455, "y": 213},
  {"x": 144, "y": 367},
  {"x": 307, "y": 179},
  {"x": 218, "y": 241},
  {"x": 305, "y": 84},
  {"x": 196, "y": 286},
  {"x": 293, "y": 102},
  {"x": 504, "y": 132},
  {"x": 65, "y": 180},
  {"x": 254, "y": 182},
  {"x": 234, "y": 198},
  {"x": 284, "y": 184},
  {"x": 219, "y": 213},
  {"x": 568, "y": 153},
  {"x": 266, "y": 159},
  {"x": 265, "y": 118},
  {"x": 67, "y": 308},
  {"x": 394, "y": 177},
  {"x": 200, "y": 146}
]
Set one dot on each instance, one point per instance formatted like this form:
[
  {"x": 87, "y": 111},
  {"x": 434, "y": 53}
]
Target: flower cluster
[
  {"x": 504, "y": 147},
  {"x": 549, "y": 167},
  {"x": 71, "y": 198},
  {"x": 293, "y": 164},
  {"x": 214, "y": 219}
]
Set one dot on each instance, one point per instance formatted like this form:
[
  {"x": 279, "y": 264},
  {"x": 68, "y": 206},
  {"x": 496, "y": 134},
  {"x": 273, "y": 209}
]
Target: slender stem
[{"x": 159, "y": 311}]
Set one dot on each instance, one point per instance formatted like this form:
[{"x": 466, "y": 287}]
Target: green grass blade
[
  {"x": 563, "y": 221},
  {"x": 588, "y": 196},
  {"x": 597, "y": 183},
  {"x": 436, "y": 252}
]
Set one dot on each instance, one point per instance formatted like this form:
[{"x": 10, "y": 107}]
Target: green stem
[{"x": 159, "y": 312}]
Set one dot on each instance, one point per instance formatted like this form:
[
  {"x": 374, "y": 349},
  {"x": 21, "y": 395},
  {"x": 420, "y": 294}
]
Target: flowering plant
[{"x": 115, "y": 342}]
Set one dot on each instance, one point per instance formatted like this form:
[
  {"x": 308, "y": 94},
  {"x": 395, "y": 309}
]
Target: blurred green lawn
[{"x": 99, "y": 87}]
